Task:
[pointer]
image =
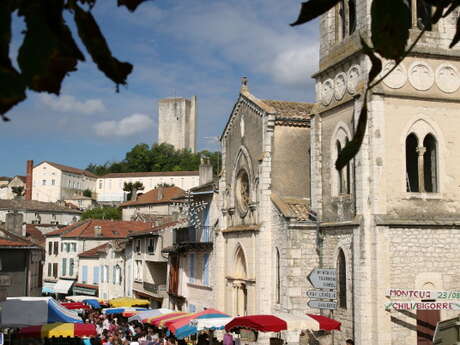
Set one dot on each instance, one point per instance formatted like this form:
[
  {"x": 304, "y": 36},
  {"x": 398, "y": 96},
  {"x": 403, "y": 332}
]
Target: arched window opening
[
  {"x": 240, "y": 267},
  {"x": 340, "y": 181},
  {"x": 342, "y": 280},
  {"x": 429, "y": 164},
  {"x": 351, "y": 16},
  {"x": 340, "y": 21},
  {"x": 412, "y": 183},
  {"x": 278, "y": 278},
  {"x": 348, "y": 175},
  {"x": 424, "y": 11}
]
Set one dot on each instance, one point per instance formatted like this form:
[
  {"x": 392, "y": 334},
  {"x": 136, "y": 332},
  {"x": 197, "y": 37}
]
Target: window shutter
[
  {"x": 206, "y": 269},
  {"x": 64, "y": 266},
  {"x": 96, "y": 275},
  {"x": 71, "y": 267},
  {"x": 84, "y": 274},
  {"x": 192, "y": 268},
  {"x": 106, "y": 273},
  {"x": 114, "y": 278}
]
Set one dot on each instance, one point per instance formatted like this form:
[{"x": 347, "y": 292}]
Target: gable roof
[
  {"x": 157, "y": 196},
  {"x": 151, "y": 173},
  {"x": 160, "y": 227},
  {"x": 34, "y": 205},
  {"x": 94, "y": 253},
  {"x": 69, "y": 169},
  {"x": 9, "y": 239},
  {"x": 109, "y": 229}
]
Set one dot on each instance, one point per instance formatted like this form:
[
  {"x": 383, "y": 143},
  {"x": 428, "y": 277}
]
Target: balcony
[
  {"x": 191, "y": 234},
  {"x": 154, "y": 288}
]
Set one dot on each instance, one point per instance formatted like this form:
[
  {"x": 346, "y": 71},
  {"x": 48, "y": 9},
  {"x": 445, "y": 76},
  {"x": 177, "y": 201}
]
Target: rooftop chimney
[
  {"x": 98, "y": 231},
  {"x": 29, "y": 171},
  {"x": 14, "y": 224},
  {"x": 206, "y": 174}
]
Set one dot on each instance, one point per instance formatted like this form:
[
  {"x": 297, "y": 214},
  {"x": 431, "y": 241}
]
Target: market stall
[
  {"x": 128, "y": 302},
  {"x": 59, "y": 330},
  {"x": 33, "y": 311},
  {"x": 150, "y": 313},
  {"x": 121, "y": 310}
]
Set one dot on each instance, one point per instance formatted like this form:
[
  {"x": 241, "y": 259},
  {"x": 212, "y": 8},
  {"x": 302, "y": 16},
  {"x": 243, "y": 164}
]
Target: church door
[{"x": 426, "y": 325}]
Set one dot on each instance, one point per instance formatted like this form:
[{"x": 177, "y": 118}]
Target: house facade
[
  {"x": 39, "y": 212},
  {"x": 6, "y": 189},
  {"x": 109, "y": 187},
  {"x": 52, "y": 182},
  {"x": 65, "y": 245}
]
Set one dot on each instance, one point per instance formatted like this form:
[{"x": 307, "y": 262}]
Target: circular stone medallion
[
  {"x": 354, "y": 74},
  {"x": 397, "y": 78},
  {"x": 447, "y": 78},
  {"x": 340, "y": 83},
  {"x": 327, "y": 91},
  {"x": 421, "y": 76}
]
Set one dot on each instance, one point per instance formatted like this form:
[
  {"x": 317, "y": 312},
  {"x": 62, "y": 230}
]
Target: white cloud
[
  {"x": 67, "y": 103},
  {"x": 132, "y": 124}
]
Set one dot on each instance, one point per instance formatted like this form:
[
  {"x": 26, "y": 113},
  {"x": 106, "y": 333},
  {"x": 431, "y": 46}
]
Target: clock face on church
[{"x": 242, "y": 192}]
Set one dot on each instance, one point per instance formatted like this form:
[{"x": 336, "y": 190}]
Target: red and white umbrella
[{"x": 312, "y": 322}]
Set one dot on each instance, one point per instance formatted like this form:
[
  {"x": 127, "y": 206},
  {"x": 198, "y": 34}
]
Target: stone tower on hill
[{"x": 177, "y": 122}]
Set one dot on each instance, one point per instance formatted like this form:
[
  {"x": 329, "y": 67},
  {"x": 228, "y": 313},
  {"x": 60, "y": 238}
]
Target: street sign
[
  {"x": 423, "y": 294},
  {"x": 322, "y": 294},
  {"x": 416, "y": 305},
  {"x": 323, "y": 278},
  {"x": 322, "y": 305}
]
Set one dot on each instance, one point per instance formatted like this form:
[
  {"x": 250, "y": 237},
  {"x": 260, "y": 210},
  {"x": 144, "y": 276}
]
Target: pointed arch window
[
  {"x": 278, "y": 278},
  {"x": 342, "y": 280},
  {"x": 421, "y": 164},
  {"x": 345, "y": 18},
  {"x": 343, "y": 175}
]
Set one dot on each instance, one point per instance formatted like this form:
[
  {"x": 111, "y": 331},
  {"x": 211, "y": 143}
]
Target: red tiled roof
[
  {"x": 109, "y": 229},
  {"x": 94, "y": 253},
  {"x": 69, "y": 169},
  {"x": 157, "y": 196},
  {"x": 158, "y": 228},
  {"x": 35, "y": 235},
  {"x": 9, "y": 239},
  {"x": 152, "y": 173}
]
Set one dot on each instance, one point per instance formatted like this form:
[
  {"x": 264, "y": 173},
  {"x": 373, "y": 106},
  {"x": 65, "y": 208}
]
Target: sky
[{"x": 179, "y": 48}]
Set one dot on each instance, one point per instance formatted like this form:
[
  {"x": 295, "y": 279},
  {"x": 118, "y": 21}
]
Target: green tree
[
  {"x": 109, "y": 213},
  {"x": 18, "y": 191},
  {"x": 139, "y": 158},
  {"x": 49, "y": 51},
  {"x": 87, "y": 193},
  {"x": 132, "y": 188}
]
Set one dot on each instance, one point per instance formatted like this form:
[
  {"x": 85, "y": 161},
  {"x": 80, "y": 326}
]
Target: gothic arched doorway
[{"x": 240, "y": 292}]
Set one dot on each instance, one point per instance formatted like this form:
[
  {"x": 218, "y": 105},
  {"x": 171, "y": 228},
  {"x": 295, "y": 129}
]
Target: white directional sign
[
  {"x": 322, "y": 305},
  {"x": 323, "y": 278},
  {"x": 416, "y": 305},
  {"x": 321, "y": 294}
]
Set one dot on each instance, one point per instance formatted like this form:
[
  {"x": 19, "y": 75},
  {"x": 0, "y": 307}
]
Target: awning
[
  {"x": 59, "y": 330},
  {"x": 63, "y": 286},
  {"x": 84, "y": 290},
  {"x": 48, "y": 287},
  {"x": 310, "y": 321},
  {"x": 127, "y": 302},
  {"x": 262, "y": 323},
  {"x": 75, "y": 305}
]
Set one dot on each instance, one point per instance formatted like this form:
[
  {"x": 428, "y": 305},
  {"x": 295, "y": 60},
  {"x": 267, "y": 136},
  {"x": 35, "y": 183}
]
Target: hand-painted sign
[
  {"x": 323, "y": 278},
  {"x": 321, "y": 294},
  {"x": 423, "y": 294},
  {"x": 322, "y": 305},
  {"x": 411, "y": 305}
]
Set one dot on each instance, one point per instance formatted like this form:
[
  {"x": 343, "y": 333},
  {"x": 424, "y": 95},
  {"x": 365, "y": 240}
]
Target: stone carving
[
  {"x": 447, "y": 78},
  {"x": 340, "y": 83},
  {"x": 398, "y": 78},
  {"x": 421, "y": 76},
  {"x": 327, "y": 92},
  {"x": 354, "y": 74}
]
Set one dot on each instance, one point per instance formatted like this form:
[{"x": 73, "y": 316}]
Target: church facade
[{"x": 388, "y": 220}]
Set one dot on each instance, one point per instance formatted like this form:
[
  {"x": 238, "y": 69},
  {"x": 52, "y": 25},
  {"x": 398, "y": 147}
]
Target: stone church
[{"x": 388, "y": 220}]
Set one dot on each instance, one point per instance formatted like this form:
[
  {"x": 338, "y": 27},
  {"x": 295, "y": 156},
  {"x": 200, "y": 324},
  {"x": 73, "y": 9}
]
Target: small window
[
  {"x": 342, "y": 280},
  {"x": 71, "y": 264},
  {"x": 429, "y": 164},
  {"x": 43, "y": 182},
  {"x": 152, "y": 244},
  {"x": 412, "y": 163},
  {"x": 138, "y": 246},
  {"x": 351, "y": 16},
  {"x": 74, "y": 247},
  {"x": 53, "y": 182}
]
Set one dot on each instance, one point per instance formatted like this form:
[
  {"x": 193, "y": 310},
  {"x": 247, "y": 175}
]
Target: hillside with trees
[{"x": 158, "y": 157}]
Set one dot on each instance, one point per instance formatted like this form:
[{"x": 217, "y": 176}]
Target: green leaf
[
  {"x": 12, "y": 87},
  {"x": 375, "y": 61},
  {"x": 97, "y": 47},
  {"x": 391, "y": 21},
  {"x": 130, "y": 4},
  {"x": 457, "y": 34},
  {"x": 48, "y": 52},
  {"x": 352, "y": 148},
  {"x": 312, "y": 9}
]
